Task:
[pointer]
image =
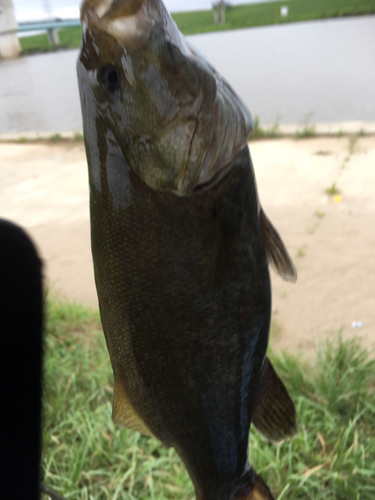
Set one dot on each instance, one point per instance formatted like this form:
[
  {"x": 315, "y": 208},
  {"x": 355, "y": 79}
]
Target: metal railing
[
  {"x": 48, "y": 25},
  {"x": 51, "y": 27}
]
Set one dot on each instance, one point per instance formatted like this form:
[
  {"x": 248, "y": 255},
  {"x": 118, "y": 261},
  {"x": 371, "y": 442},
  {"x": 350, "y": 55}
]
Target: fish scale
[{"x": 158, "y": 265}]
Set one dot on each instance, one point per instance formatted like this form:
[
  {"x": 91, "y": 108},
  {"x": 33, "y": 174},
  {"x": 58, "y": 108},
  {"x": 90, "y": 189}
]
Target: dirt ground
[{"x": 44, "y": 188}]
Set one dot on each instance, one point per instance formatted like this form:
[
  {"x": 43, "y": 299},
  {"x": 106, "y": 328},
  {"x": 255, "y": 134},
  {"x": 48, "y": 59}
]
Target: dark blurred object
[{"x": 21, "y": 325}]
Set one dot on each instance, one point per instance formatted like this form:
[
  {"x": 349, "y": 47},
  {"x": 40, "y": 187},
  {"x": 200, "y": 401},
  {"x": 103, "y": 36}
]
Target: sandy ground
[{"x": 44, "y": 188}]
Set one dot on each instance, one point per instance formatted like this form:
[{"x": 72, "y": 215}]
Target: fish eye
[{"x": 109, "y": 77}]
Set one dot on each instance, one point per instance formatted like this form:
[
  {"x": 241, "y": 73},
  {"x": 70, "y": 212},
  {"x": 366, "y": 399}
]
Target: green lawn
[
  {"x": 69, "y": 38},
  {"x": 241, "y": 16},
  {"x": 87, "y": 457}
]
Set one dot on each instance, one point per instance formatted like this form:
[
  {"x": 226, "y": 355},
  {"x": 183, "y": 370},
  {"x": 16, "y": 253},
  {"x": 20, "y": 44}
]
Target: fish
[{"x": 181, "y": 247}]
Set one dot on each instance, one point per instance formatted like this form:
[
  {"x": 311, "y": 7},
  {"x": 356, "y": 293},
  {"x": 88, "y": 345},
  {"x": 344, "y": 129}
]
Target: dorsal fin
[
  {"x": 274, "y": 414},
  {"x": 124, "y": 414},
  {"x": 276, "y": 250}
]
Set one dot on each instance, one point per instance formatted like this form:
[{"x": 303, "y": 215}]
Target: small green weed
[
  {"x": 352, "y": 145},
  {"x": 258, "y": 132},
  {"x": 301, "y": 251},
  {"x": 262, "y": 133},
  {"x": 320, "y": 214},
  {"x": 78, "y": 137},
  {"x": 274, "y": 131},
  {"x": 345, "y": 162},
  {"x": 312, "y": 229},
  {"x": 307, "y": 131},
  {"x": 332, "y": 190},
  {"x": 55, "y": 138}
]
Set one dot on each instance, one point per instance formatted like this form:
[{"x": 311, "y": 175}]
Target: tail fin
[{"x": 257, "y": 490}]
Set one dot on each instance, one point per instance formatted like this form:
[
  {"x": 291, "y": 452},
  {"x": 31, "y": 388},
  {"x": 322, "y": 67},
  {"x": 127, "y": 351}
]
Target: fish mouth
[
  {"x": 109, "y": 9},
  {"x": 128, "y": 21}
]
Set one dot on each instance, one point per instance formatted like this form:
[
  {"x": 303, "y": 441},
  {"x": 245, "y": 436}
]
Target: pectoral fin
[
  {"x": 274, "y": 415},
  {"x": 124, "y": 414},
  {"x": 276, "y": 250}
]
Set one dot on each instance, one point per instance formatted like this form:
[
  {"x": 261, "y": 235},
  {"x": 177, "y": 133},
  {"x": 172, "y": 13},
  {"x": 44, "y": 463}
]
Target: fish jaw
[
  {"x": 179, "y": 123},
  {"x": 126, "y": 21},
  {"x": 129, "y": 19}
]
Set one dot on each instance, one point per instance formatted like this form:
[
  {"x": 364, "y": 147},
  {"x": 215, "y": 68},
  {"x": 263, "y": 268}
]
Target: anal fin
[
  {"x": 257, "y": 490},
  {"x": 276, "y": 250},
  {"x": 124, "y": 414},
  {"x": 274, "y": 414}
]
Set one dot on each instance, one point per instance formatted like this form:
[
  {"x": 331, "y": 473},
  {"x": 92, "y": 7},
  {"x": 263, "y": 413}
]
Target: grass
[
  {"x": 21, "y": 139},
  {"x": 78, "y": 137},
  {"x": 70, "y": 38},
  {"x": 262, "y": 133},
  {"x": 240, "y": 16},
  {"x": 307, "y": 130},
  {"x": 55, "y": 138},
  {"x": 362, "y": 132},
  {"x": 243, "y": 16},
  {"x": 87, "y": 457}
]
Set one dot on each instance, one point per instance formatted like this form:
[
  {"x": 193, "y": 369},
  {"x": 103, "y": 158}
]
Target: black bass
[{"x": 180, "y": 247}]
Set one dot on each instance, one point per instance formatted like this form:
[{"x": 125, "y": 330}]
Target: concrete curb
[
  {"x": 282, "y": 130},
  {"x": 41, "y": 136},
  {"x": 335, "y": 128}
]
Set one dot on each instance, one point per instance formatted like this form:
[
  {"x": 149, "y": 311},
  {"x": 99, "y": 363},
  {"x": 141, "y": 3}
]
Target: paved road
[{"x": 321, "y": 70}]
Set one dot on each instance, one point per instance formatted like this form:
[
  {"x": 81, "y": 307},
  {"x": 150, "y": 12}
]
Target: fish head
[{"x": 176, "y": 122}]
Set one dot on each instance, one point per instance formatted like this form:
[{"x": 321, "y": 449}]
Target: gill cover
[{"x": 176, "y": 120}]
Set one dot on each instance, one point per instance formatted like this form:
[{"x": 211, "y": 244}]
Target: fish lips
[{"x": 128, "y": 21}]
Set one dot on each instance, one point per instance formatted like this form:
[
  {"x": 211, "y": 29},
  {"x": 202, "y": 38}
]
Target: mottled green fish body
[{"x": 180, "y": 247}]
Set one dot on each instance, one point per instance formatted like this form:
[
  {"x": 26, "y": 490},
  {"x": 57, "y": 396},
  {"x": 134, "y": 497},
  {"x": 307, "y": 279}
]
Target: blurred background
[{"x": 320, "y": 70}]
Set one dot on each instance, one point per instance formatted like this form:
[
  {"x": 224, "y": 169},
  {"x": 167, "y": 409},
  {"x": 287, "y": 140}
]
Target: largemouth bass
[{"x": 180, "y": 247}]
